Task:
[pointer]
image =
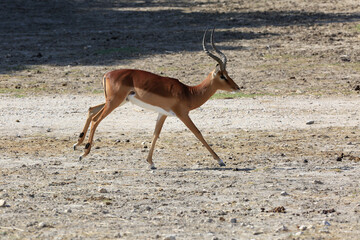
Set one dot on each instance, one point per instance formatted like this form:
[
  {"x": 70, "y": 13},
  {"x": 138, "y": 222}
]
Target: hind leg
[
  {"x": 92, "y": 112},
  {"x": 109, "y": 106}
]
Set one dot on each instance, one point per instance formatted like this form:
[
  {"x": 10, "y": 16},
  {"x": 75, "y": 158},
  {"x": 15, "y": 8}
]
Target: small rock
[
  {"x": 283, "y": 193},
  {"x": 318, "y": 182},
  {"x": 103, "y": 190},
  {"x": 310, "y": 122},
  {"x": 340, "y": 158},
  {"x": 327, "y": 211},
  {"x": 302, "y": 227},
  {"x": 280, "y": 209},
  {"x": 345, "y": 58},
  {"x": 42, "y": 225},
  {"x": 326, "y": 223},
  {"x": 17, "y": 120},
  {"x": 68, "y": 211},
  {"x": 283, "y": 228},
  {"x": 298, "y": 233},
  {"x": 258, "y": 233},
  {"x": 30, "y": 224},
  {"x": 117, "y": 235},
  {"x": 233, "y": 220},
  {"x": 170, "y": 238},
  {"x": 127, "y": 140},
  {"x": 2, "y": 203},
  {"x": 306, "y": 161}
]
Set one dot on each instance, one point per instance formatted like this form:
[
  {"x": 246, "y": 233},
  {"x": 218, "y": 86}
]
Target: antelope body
[{"x": 167, "y": 96}]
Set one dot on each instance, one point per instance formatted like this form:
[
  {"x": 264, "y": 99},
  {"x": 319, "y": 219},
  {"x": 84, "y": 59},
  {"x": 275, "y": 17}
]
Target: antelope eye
[{"x": 223, "y": 77}]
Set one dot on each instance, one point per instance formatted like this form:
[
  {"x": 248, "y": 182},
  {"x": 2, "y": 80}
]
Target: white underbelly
[{"x": 142, "y": 104}]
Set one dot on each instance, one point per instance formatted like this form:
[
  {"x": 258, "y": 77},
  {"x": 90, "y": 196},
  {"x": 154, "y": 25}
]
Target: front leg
[
  {"x": 189, "y": 123},
  {"x": 159, "y": 123}
]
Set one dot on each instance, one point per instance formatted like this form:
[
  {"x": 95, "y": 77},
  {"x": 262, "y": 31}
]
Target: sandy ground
[
  {"x": 290, "y": 141},
  {"x": 274, "y": 160}
]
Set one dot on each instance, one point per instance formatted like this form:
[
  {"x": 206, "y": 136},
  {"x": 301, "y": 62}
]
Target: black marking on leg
[
  {"x": 81, "y": 135},
  {"x": 87, "y": 145}
]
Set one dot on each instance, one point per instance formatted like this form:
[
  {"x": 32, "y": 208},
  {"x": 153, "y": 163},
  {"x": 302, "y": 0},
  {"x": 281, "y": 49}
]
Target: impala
[{"x": 167, "y": 96}]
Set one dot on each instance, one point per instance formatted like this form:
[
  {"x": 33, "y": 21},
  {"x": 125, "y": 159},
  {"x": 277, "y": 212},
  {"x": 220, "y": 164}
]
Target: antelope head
[{"x": 220, "y": 77}]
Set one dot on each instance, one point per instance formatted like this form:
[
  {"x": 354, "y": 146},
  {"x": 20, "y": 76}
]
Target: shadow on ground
[{"x": 101, "y": 32}]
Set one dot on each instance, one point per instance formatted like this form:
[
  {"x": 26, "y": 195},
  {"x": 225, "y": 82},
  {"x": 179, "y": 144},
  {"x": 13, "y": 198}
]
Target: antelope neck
[{"x": 199, "y": 94}]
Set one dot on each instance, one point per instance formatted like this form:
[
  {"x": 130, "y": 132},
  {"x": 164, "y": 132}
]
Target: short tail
[{"x": 104, "y": 85}]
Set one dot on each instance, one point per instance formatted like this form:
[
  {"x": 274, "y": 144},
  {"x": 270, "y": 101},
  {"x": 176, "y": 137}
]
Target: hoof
[
  {"x": 80, "y": 158},
  {"x": 74, "y": 147},
  {"x": 152, "y": 167},
  {"x": 221, "y": 163}
]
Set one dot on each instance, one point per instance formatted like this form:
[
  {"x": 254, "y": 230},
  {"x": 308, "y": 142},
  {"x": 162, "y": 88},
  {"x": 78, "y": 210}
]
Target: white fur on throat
[{"x": 142, "y": 104}]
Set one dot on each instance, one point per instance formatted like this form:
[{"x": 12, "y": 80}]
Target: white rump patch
[{"x": 142, "y": 104}]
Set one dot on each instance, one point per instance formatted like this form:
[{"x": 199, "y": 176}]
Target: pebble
[
  {"x": 326, "y": 223},
  {"x": 298, "y": 233},
  {"x": 345, "y": 58},
  {"x": 233, "y": 220},
  {"x": 170, "y": 238},
  {"x": 117, "y": 235},
  {"x": 318, "y": 182},
  {"x": 2, "y": 203},
  {"x": 103, "y": 190},
  {"x": 42, "y": 225},
  {"x": 283, "y": 193},
  {"x": 310, "y": 122},
  {"x": 68, "y": 211},
  {"x": 283, "y": 228},
  {"x": 302, "y": 227}
]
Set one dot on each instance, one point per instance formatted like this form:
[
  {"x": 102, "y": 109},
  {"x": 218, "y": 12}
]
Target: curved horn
[
  {"x": 210, "y": 54},
  {"x": 224, "y": 60}
]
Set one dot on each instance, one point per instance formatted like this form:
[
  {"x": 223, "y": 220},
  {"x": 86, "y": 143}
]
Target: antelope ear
[{"x": 217, "y": 69}]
